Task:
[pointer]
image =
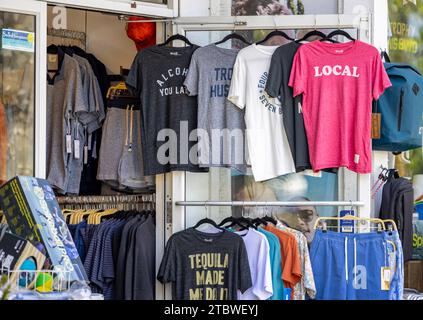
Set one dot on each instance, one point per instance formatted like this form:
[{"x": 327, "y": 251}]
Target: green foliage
[
  {"x": 4, "y": 288},
  {"x": 300, "y": 7},
  {"x": 291, "y": 6}
]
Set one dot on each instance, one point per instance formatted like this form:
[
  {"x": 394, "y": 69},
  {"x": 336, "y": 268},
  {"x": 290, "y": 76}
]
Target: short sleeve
[
  {"x": 274, "y": 81},
  {"x": 298, "y": 76},
  {"x": 263, "y": 287},
  {"x": 76, "y": 98},
  {"x": 167, "y": 269},
  {"x": 192, "y": 78},
  {"x": 380, "y": 79},
  {"x": 244, "y": 272},
  {"x": 134, "y": 79},
  {"x": 296, "y": 272},
  {"x": 238, "y": 88}
]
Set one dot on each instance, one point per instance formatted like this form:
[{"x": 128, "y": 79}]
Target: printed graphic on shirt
[
  {"x": 166, "y": 76},
  {"x": 210, "y": 273},
  {"x": 222, "y": 78},
  {"x": 271, "y": 104},
  {"x": 337, "y": 70}
]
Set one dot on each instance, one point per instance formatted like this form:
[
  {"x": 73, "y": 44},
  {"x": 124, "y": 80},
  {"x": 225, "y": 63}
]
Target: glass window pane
[
  {"x": 16, "y": 96},
  {"x": 226, "y": 185}
]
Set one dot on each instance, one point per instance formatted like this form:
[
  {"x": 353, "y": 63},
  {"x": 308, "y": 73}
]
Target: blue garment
[
  {"x": 79, "y": 240},
  {"x": 396, "y": 263},
  {"x": 72, "y": 229},
  {"x": 275, "y": 264},
  {"x": 348, "y": 266}
]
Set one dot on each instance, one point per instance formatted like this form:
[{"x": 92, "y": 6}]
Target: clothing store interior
[{"x": 148, "y": 157}]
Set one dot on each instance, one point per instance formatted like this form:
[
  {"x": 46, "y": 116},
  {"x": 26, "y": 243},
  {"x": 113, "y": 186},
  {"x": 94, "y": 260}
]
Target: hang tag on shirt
[
  {"x": 90, "y": 140},
  {"x": 85, "y": 154},
  {"x": 52, "y": 62},
  {"x": 376, "y": 123},
  {"x": 76, "y": 145},
  {"x": 356, "y": 158},
  {"x": 68, "y": 143},
  {"x": 300, "y": 107},
  {"x": 385, "y": 278}
]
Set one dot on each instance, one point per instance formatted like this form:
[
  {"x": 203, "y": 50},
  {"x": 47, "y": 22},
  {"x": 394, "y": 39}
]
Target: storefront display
[{"x": 209, "y": 161}]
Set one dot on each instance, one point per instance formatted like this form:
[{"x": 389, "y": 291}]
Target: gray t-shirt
[
  {"x": 205, "y": 266},
  {"x": 221, "y": 124},
  {"x": 65, "y": 94},
  {"x": 157, "y": 76},
  {"x": 277, "y": 86}
]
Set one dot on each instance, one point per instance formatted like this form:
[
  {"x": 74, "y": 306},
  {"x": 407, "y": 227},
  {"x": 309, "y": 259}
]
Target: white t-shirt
[
  {"x": 259, "y": 260},
  {"x": 268, "y": 146}
]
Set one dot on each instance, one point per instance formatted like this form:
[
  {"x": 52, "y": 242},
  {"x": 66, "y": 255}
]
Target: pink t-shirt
[{"x": 338, "y": 82}]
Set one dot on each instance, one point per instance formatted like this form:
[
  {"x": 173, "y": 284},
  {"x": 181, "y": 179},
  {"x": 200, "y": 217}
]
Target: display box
[
  {"x": 18, "y": 254},
  {"x": 33, "y": 213}
]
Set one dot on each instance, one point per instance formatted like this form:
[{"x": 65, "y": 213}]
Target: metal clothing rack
[
  {"x": 268, "y": 203},
  {"x": 121, "y": 202}
]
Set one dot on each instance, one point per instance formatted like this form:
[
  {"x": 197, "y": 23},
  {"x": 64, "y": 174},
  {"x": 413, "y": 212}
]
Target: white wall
[
  {"x": 196, "y": 8},
  {"x": 106, "y": 37}
]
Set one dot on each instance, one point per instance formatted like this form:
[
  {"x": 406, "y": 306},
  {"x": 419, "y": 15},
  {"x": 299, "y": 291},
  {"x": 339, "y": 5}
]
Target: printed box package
[
  {"x": 32, "y": 212},
  {"x": 14, "y": 252}
]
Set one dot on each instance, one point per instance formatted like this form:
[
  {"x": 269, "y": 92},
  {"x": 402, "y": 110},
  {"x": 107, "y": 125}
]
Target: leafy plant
[{"x": 4, "y": 288}]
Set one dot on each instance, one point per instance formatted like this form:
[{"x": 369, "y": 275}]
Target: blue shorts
[
  {"x": 348, "y": 266},
  {"x": 396, "y": 263}
]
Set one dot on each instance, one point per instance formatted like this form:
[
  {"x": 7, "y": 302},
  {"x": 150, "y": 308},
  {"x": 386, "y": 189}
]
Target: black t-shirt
[
  {"x": 277, "y": 86},
  {"x": 205, "y": 266},
  {"x": 157, "y": 76}
]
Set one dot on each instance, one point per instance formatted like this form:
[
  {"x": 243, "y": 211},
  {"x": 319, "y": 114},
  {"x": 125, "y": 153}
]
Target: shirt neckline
[
  {"x": 200, "y": 235},
  {"x": 349, "y": 47},
  {"x": 261, "y": 48},
  {"x": 225, "y": 50},
  {"x": 166, "y": 49}
]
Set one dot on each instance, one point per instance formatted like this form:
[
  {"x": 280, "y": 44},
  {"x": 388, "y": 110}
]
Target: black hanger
[
  {"x": 338, "y": 32},
  {"x": 259, "y": 221},
  {"x": 233, "y": 35},
  {"x": 393, "y": 173},
  {"x": 314, "y": 33},
  {"x": 248, "y": 223},
  {"x": 209, "y": 221},
  {"x": 270, "y": 219},
  {"x": 176, "y": 37},
  {"x": 234, "y": 221},
  {"x": 274, "y": 34}
]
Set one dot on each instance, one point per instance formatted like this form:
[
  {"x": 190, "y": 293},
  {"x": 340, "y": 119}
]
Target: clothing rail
[
  {"x": 65, "y": 33},
  {"x": 107, "y": 199},
  {"x": 268, "y": 203}
]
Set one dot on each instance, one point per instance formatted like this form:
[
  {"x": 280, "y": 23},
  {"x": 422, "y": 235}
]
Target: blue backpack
[{"x": 401, "y": 109}]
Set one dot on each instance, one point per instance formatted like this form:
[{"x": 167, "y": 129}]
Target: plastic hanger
[
  {"x": 233, "y": 35},
  {"x": 270, "y": 219},
  {"x": 234, "y": 221},
  {"x": 338, "y": 32},
  {"x": 176, "y": 37},
  {"x": 312, "y": 34},
  {"x": 208, "y": 221},
  {"x": 351, "y": 218},
  {"x": 274, "y": 34}
]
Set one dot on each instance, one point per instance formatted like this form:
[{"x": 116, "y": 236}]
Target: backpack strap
[{"x": 384, "y": 55}]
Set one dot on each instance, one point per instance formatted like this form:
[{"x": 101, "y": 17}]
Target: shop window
[
  {"x": 223, "y": 184},
  {"x": 17, "y": 103}
]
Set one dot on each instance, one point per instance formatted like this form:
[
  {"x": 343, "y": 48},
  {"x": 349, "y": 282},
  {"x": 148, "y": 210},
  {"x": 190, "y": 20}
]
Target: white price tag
[
  {"x": 85, "y": 154},
  {"x": 76, "y": 145},
  {"x": 68, "y": 143}
]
